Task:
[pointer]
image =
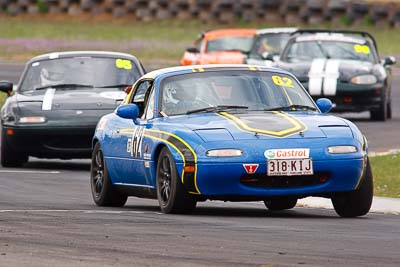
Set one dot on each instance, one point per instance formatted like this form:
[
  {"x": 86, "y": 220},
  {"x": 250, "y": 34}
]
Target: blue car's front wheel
[
  {"x": 358, "y": 202},
  {"x": 171, "y": 194},
  {"x": 103, "y": 192}
]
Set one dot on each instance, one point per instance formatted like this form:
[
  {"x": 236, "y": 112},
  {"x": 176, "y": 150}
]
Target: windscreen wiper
[
  {"x": 291, "y": 107},
  {"x": 64, "y": 86},
  {"x": 216, "y": 108}
]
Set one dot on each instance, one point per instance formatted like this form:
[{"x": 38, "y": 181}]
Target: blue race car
[{"x": 232, "y": 133}]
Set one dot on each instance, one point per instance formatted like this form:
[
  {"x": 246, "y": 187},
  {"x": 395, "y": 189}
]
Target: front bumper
[
  {"x": 354, "y": 98},
  {"x": 51, "y": 142},
  {"x": 225, "y": 181}
]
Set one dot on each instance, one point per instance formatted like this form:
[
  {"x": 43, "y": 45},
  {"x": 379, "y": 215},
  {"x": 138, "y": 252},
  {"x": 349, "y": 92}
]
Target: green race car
[{"x": 343, "y": 66}]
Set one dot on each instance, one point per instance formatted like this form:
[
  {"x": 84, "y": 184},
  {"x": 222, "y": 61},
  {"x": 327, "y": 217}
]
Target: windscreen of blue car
[
  {"x": 252, "y": 90},
  {"x": 91, "y": 71}
]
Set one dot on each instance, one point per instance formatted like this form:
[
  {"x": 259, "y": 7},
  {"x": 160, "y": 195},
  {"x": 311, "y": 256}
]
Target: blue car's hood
[{"x": 256, "y": 125}]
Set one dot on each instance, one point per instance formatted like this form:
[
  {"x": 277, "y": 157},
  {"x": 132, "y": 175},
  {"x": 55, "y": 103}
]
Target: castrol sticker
[{"x": 294, "y": 153}]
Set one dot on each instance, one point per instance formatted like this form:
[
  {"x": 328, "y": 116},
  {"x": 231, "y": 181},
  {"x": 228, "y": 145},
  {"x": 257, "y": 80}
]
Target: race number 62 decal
[
  {"x": 134, "y": 144},
  {"x": 282, "y": 81}
]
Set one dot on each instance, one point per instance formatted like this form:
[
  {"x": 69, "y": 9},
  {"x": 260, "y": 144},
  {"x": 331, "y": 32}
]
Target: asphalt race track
[{"x": 47, "y": 218}]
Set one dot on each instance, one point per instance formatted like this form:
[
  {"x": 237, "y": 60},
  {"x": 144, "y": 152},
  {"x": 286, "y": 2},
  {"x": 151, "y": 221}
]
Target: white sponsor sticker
[
  {"x": 291, "y": 153},
  {"x": 129, "y": 145},
  {"x": 48, "y": 99}
]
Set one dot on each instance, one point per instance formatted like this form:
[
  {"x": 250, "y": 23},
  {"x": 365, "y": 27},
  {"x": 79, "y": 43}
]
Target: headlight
[
  {"x": 8, "y": 113},
  {"x": 224, "y": 153},
  {"x": 364, "y": 79},
  {"x": 342, "y": 149},
  {"x": 35, "y": 119}
]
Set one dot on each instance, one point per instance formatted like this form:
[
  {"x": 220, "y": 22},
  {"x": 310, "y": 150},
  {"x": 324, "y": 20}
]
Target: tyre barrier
[{"x": 378, "y": 12}]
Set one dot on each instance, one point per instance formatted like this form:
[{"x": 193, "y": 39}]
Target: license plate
[{"x": 289, "y": 167}]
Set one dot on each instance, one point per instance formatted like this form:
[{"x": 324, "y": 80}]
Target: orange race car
[{"x": 226, "y": 46}]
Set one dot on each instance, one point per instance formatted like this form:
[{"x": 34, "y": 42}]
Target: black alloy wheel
[
  {"x": 164, "y": 181},
  {"x": 98, "y": 173},
  {"x": 103, "y": 192},
  {"x": 172, "y": 195}
]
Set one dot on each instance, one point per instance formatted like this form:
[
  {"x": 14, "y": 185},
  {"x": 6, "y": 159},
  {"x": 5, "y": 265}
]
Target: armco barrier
[{"x": 377, "y": 12}]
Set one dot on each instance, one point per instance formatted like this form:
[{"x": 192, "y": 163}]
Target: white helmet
[{"x": 51, "y": 76}]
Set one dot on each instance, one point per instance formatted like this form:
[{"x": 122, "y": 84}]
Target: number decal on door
[{"x": 134, "y": 144}]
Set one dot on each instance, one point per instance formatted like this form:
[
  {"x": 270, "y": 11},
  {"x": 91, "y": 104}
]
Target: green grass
[
  {"x": 175, "y": 34},
  {"x": 386, "y": 171},
  {"x": 3, "y": 97}
]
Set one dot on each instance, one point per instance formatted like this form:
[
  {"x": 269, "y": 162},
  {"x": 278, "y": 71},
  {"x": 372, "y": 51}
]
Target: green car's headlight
[
  {"x": 33, "y": 119},
  {"x": 364, "y": 79}
]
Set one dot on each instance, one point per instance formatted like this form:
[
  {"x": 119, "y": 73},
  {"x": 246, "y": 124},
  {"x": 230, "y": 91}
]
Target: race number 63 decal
[
  {"x": 364, "y": 49},
  {"x": 134, "y": 144},
  {"x": 123, "y": 64},
  {"x": 282, "y": 81}
]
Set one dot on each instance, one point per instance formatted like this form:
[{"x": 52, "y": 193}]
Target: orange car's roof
[{"x": 214, "y": 34}]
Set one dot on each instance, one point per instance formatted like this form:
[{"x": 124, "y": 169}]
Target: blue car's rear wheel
[
  {"x": 103, "y": 192},
  {"x": 171, "y": 194},
  {"x": 357, "y": 202}
]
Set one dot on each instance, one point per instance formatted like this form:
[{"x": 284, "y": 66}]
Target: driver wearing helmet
[
  {"x": 51, "y": 76},
  {"x": 177, "y": 99}
]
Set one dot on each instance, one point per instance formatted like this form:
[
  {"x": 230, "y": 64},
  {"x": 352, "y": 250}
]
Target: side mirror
[
  {"x": 6, "y": 87},
  {"x": 324, "y": 104},
  {"x": 128, "y": 89},
  {"x": 192, "y": 49},
  {"x": 128, "y": 111},
  {"x": 389, "y": 61}
]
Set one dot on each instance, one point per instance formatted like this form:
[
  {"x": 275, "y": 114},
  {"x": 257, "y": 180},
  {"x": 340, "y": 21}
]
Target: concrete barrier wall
[{"x": 378, "y": 12}]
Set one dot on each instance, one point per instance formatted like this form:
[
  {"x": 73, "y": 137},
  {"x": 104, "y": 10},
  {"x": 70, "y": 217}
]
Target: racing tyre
[
  {"x": 10, "y": 157},
  {"x": 171, "y": 194},
  {"x": 358, "y": 202},
  {"x": 380, "y": 114},
  {"x": 280, "y": 203},
  {"x": 103, "y": 192},
  {"x": 389, "y": 110}
]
